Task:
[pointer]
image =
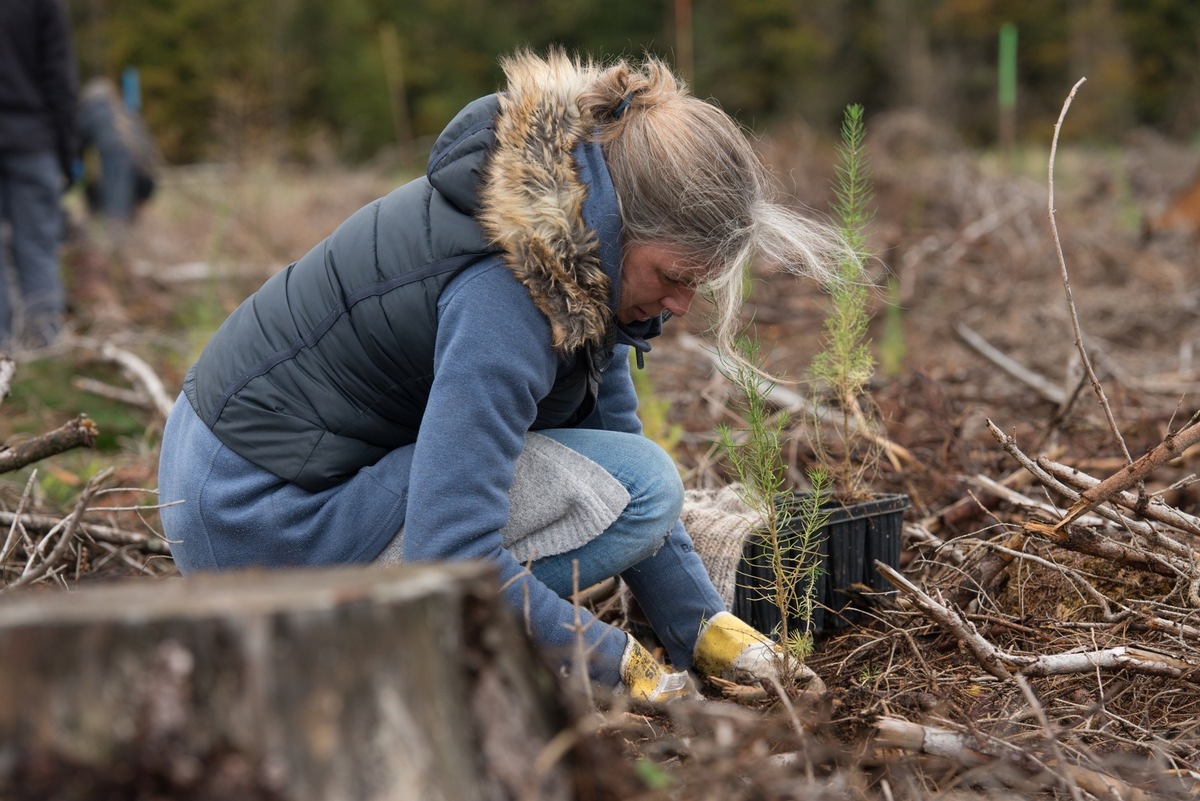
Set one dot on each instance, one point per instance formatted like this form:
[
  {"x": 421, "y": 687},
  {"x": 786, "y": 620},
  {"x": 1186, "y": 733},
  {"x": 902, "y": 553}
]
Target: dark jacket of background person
[{"x": 38, "y": 84}]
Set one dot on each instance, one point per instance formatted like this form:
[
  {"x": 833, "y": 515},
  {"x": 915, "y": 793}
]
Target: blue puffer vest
[{"x": 328, "y": 366}]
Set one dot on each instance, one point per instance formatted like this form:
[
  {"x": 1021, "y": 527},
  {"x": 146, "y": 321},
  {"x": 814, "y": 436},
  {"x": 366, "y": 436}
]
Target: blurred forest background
[{"x": 309, "y": 81}]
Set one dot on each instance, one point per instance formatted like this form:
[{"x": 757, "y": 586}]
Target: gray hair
[{"x": 687, "y": 177}]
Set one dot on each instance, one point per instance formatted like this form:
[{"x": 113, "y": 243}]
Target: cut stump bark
[{"x": 393, "y": 683}]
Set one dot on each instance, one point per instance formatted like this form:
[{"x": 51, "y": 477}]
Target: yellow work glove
[
  {"x": 647, "y": 679},
  {"x": 731, "y": 649}
]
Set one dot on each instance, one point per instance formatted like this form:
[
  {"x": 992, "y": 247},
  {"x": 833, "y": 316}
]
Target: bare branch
[
  {"x": 78, "y": 433},
  {"x": 1036, "y": 381},
  {"x": 14, "y": 526},
  {"x": 127, "y": 396},
  {"x": 1170, "y": 448},
  {"x": 1003, "y": 664},
  {"x": 101, "y": 533},
  {"x": 35, "y": 571},
  {"x": 1088, "y": 542},
  {"x": 985, "y": 653},
  {"x": 1066, "y": 280},
  {"x": 1118, "y": 657},
  {"x": 140, "y": 374},
  {"x": 968, "y": 751},
  {"x": 1152, "y": 510}
]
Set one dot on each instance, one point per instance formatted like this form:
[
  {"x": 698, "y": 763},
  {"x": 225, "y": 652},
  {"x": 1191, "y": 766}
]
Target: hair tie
[{"x": 624, "y": 104}]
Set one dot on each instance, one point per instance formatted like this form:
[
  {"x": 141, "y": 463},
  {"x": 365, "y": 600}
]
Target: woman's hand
[
  {"x": 731, "y": 649},
  {"x": 647, "y": 679}
]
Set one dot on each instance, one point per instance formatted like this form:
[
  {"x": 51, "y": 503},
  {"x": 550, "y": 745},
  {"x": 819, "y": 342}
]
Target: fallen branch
[
  {"x": 1170, "y": 448},
  {"x": 1088, "y": 542},
  {"x": 78, "y": 433},
  {"x": 1151, "y": 509},
  {"x": 985, "y": 653},
  {"x": 140, "y": 374},
  {"x": 15, "y": 529},
  {"x": 42, "y": 523},
  {"x": 1016, "y": 498},
  {"x": 128, "y": 396},
  {"x": 1128, "y": 657},
  {"x": 1035, "y": 381},
  {"x": 969, "y": 752},
  {"x": 1003, "y": 664},
  {"x": 968, "y": 506},
  {"x": 962, "y": 748},
  {"x": 35, "y": 569}
]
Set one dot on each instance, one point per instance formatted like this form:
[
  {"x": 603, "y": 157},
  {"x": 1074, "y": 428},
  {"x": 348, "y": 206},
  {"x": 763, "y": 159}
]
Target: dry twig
[
  {"x": 1002, "y": 664},
  {"x": 35, "y": 569},
  {"x": 1170, "y": 448},
  {"x": 1066, "y": 280},
  {"x": 970, "y": 752},
  {"x": 1036, "y": 381},
  {"x": 80, "y": 432},
  {"x": 137, "y": 371}
]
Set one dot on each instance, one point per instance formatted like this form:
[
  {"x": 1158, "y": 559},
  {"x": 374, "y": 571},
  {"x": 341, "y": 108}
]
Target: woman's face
[{"x": 654, "y": 278}]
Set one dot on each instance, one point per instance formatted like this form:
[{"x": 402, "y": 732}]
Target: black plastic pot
[{"x": 853, "y": 538}]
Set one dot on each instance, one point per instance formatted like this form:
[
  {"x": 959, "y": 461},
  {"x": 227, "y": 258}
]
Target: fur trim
[{"x": 532, "y": 198}]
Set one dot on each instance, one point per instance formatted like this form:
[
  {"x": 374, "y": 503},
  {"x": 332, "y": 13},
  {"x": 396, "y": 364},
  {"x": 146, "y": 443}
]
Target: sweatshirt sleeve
[{"x": 492, "y": 364}]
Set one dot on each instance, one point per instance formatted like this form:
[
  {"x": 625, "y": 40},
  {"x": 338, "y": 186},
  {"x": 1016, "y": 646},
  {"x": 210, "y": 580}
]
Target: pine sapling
[
  {"x": 790, "y": 537},
  {"x": 845, "y": 365}
]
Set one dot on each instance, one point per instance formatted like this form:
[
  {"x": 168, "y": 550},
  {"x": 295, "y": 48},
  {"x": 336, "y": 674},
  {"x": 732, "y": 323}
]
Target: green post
[{"x": 1007, "y": 88}]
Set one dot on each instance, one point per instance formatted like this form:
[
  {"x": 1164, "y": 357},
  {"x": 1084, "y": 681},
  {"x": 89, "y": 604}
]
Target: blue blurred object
[{"x": 131, "y": 89}]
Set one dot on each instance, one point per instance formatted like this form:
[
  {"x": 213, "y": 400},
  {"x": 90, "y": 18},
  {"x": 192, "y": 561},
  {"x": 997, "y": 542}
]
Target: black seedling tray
[{"x": 853, "y": 538}]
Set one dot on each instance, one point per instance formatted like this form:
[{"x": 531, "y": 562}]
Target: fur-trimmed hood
[{"x": 544, "y": 196}]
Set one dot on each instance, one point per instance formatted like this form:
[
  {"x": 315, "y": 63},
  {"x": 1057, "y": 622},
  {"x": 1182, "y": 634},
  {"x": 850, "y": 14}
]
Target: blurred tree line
[{"x": 348, "y": 80}]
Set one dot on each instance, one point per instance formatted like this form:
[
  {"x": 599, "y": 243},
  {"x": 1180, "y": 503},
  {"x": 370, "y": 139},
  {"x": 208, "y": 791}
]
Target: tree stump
[{"x": 395, "y": 683}]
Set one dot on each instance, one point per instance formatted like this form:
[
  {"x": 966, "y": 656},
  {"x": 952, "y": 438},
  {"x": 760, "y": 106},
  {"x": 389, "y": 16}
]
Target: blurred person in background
[
  {"x": 38, "y": 148},
  {"x": 446, "y": 377},
  {"x": 120, "y": 160},
  {"x": 119, "y": 167}
]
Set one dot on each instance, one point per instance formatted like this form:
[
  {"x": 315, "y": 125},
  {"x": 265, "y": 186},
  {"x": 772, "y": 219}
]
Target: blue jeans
[
  {"x": 30, "y": 185},
  {"x": 647, "y": 545}
]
